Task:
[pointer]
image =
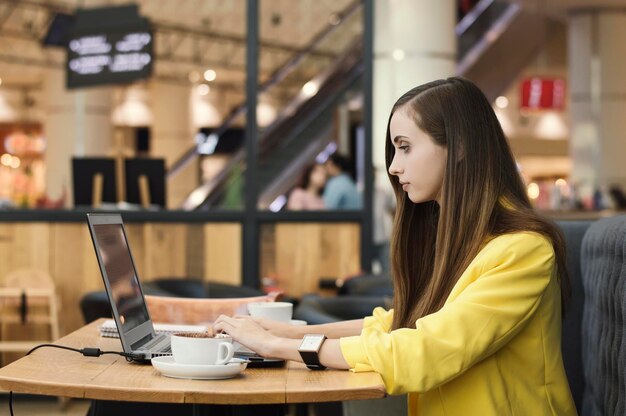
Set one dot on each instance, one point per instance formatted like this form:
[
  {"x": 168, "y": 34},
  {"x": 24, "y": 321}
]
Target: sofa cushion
[
  {"x": 604, "y": 317},
  {"x": 571, "y": 342}
]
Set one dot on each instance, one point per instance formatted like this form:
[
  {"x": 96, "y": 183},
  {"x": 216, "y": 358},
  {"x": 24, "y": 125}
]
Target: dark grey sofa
[
  {"x": 571, "y": 342},
  {"x": 604, "y": 318}
]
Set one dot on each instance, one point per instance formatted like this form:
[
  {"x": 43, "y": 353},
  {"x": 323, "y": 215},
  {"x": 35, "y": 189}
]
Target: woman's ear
[{"x": 460, "y": 152}]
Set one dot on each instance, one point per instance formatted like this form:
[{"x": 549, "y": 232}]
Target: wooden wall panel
[
  {"x": 195, "y": 251},
  {"x": 306, "y": 253},
  {"x": 75, "y": 271},
  {"x": 340, "y": 250},
  {"x": 222, "y": 253},
  {"x": 165, "y": 253},
  {"x": 24, "y": 245},
  {"x": 267, "y": 262}
]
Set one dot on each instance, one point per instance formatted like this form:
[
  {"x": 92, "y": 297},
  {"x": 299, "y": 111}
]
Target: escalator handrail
[{"x": 468, "y": 20}]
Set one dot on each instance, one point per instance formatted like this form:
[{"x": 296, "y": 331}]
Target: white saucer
[
  {"x": 298, "y": 322},
  {"x": 167, "y": 367}
]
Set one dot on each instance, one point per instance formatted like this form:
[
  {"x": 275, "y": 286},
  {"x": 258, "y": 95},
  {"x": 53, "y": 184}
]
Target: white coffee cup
[
  {"x": 190, "y": 349},
  {"x": 277, "y": 311}
]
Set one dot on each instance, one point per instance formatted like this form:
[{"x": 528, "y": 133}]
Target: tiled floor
[{"x": 43, "y": 406}]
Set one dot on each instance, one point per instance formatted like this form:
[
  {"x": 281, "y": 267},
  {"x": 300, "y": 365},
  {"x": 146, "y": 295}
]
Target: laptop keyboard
[{"x": 160, "y": 344}]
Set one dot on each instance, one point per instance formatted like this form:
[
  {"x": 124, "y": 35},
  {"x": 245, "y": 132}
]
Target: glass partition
[{"x": 309, "y": 106}]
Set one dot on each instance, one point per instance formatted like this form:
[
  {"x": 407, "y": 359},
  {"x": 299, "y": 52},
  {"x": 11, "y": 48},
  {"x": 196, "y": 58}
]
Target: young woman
[
  {"x": 478, "y": 276},
  {"x": 308, "y": 194}
]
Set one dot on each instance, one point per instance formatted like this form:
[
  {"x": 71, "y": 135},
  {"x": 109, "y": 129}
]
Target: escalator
[
  {"x": 495, "y": 31},
  {"x": 294, "y": 139},
  {"x": 496, "y": 40}
]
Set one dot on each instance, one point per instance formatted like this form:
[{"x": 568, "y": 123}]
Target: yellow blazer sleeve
[
  {"x": 512, "y": 273},
  {"x": 380, "y": 319}
]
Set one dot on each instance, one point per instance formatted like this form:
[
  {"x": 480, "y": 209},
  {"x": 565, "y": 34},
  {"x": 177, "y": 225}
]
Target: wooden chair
[
  {"x": 28, "y": 296},
  {"x": 195, "y": 311}
]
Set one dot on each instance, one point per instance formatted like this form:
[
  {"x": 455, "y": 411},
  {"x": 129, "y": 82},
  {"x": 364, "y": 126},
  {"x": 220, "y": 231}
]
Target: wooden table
[{"x": 56, "y": 372}]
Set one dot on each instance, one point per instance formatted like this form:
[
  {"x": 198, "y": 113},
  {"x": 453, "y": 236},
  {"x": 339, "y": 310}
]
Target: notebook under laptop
[{"x": 122, "y": 285}]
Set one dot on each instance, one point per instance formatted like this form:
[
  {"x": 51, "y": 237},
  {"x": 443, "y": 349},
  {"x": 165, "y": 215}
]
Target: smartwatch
[{"x": 309, "y": 350}]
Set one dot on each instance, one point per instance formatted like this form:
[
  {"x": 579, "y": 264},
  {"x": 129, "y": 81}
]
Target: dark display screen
[
  {"x": 115, "y": 255},
  {"x": 109, "y": 46}
]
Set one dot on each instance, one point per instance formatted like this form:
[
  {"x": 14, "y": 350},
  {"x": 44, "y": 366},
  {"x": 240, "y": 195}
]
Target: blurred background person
[
  {"x": 340, "y": 191},
  {"x": 308, "y": 193},
  {"x": 384, "y": 205}
]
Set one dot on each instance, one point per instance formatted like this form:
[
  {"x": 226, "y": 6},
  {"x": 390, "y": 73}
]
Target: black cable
[
  {"x": 53, "y": 345},
  {"x": 87, "y": 352},
  {"x": 90, "y": 352}
]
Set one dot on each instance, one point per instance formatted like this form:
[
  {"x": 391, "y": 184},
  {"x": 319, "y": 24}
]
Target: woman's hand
[
  {"x": 279, "y": 329},
  {"x": 251, "y": 333},
  {"x": 247, "y": 332}
]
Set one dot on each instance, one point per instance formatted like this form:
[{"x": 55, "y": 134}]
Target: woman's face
[
  {"x": 318, "y": 176},
  {"x": 418, "y": 162}
]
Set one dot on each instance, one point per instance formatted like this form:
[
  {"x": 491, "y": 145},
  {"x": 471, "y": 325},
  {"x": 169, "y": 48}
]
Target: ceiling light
[
  {"x": 210, "y": 75},
  {"x": 398, "y": 54},
  {"x": 502, "y": 102},
  {"x": 15, "y": 162},
  {"x": 5, "y": 159},
  {"x": 334, "y": 19},
  {"x": 203, "y": 89},
  {"x": 533, "y": 190},
  {"x": 310, "y": 88},
  {"x": 551, "y": 126}
]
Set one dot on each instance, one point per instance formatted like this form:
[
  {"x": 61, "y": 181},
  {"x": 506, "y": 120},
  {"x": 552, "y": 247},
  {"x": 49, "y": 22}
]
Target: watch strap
[{"x": 312, "y": 360}]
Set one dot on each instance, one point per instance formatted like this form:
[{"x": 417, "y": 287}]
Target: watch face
[{"x": 311, "y": 342}]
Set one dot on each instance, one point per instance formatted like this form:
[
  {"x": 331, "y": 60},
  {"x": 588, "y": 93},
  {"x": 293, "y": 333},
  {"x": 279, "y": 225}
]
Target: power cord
[
  {"x": 87, "y": 352},
  {"x": 90, "y": 352}
]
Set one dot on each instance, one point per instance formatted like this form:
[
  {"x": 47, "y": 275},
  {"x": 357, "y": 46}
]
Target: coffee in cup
[
  {"x": 277, "y": 311},
  {"x": 202, "y": 348},
  {"x": 195, "y": 334}
]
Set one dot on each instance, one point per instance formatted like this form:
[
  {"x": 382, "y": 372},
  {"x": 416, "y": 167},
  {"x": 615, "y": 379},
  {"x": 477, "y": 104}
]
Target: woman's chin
[
  {"x": 419, "y": 199},
  {"x": 416, "y": 199}
]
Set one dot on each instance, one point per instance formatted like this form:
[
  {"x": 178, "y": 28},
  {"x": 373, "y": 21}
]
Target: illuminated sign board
[
  {"x": 113, "y": 51},
  {"x": 543, "y": 94}
]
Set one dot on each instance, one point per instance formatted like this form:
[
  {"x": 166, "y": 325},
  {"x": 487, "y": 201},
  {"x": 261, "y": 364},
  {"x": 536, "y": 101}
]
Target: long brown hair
[{"x": 482, "y": 196}]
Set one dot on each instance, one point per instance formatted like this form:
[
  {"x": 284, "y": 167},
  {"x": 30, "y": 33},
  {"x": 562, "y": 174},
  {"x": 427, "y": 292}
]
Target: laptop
[
  {"x": 122, "y": 285},
  {"x": 128, "y": 305}
]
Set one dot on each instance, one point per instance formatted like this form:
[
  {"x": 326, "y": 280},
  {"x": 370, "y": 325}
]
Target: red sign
[{"x": 543, "y": 94}]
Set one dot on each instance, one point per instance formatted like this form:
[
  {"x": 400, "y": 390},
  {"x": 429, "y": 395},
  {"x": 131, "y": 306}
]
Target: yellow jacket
[{"x": 493, "y": 349}]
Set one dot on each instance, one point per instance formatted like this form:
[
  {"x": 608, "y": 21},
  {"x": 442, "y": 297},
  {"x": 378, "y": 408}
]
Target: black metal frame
[
  {"x": 253, "y": 218},
  {"x": 251, "y": 233}
]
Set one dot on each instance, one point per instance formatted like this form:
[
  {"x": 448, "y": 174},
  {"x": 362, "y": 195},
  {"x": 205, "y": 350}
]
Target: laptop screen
[{"x": 116, "y": 259}]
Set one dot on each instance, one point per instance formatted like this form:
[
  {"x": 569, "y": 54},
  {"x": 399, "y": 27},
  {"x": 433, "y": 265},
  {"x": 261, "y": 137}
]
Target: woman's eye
[{"x": 404, "y": 148}]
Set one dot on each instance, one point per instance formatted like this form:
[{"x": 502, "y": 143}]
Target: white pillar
[
  {"x": 597, "y": 65},
  {"x": 172, "y": 135},
  {"x": 421, "y": 32},
  {"x": 76, "y": 123}
]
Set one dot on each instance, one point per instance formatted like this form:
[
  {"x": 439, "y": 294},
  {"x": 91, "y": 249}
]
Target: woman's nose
[{"x": 393, "y": 168}]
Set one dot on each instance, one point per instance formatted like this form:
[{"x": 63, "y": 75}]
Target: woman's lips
[{"x": 405, "y": 186}]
